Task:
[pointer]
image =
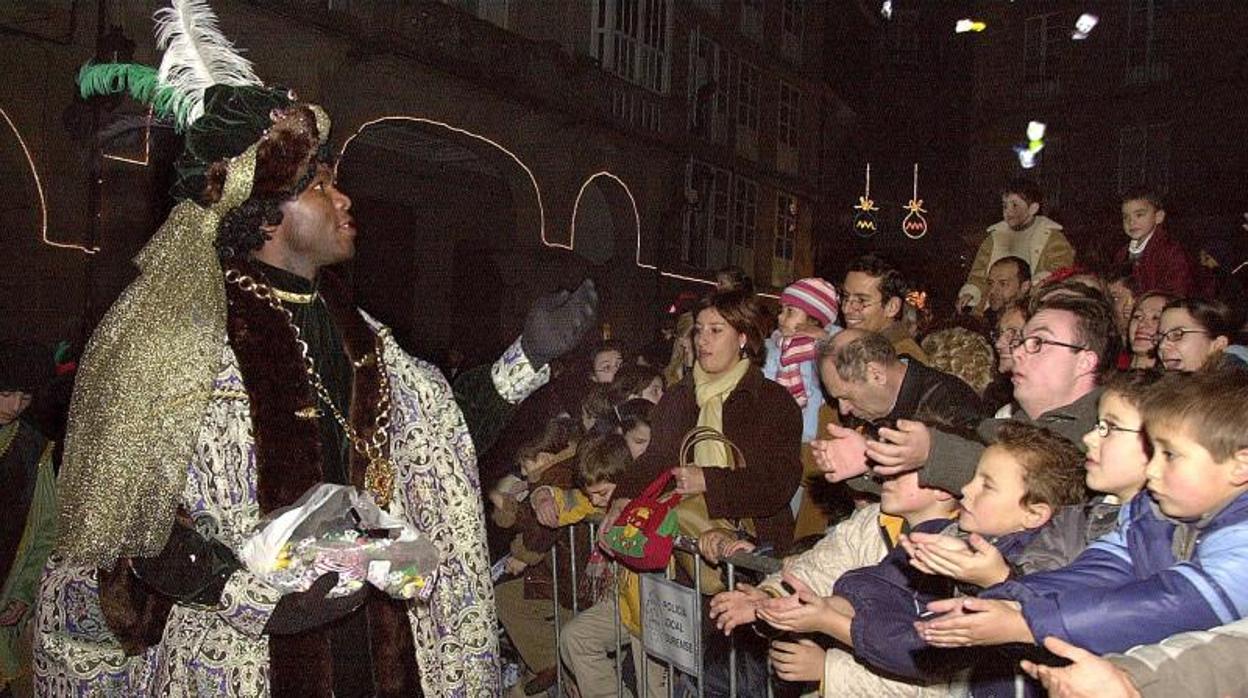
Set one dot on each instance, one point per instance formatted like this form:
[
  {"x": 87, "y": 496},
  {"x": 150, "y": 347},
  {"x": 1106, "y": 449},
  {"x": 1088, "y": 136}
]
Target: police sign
[{"x": 671, "y": 622}]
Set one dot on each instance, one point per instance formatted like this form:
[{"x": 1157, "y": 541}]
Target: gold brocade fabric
[{"x": 143, "y": 386}]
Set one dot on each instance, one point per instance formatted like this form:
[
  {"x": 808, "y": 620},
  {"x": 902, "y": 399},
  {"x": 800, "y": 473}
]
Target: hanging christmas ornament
[
  {"x": 914, "y": 225},
  {"x": 864, "y": 221}
]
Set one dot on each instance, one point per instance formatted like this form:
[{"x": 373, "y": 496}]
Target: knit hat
[{"x": 816, "y": 297}]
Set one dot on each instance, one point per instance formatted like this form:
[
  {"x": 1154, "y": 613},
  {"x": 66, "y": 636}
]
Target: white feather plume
[{"x": 196, "y": 56}]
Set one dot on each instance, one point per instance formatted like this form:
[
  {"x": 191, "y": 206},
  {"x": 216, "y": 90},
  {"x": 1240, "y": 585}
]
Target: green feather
[{"x": 138, "y": 81}]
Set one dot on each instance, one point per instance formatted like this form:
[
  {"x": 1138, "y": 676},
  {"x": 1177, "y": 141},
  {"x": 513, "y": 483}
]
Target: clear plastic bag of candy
[{"x": 338, "y": 528}]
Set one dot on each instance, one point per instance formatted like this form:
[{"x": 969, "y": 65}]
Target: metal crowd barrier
[{"x": 750, "y": 561}]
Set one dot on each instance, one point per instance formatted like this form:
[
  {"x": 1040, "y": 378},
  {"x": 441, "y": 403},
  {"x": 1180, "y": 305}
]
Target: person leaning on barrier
[
  {"x": 862, "y": 540},
  {"x": 727, "y": 391},
  {"x": 1067, "y": 345},
  {"x": 878, "y": 391}
]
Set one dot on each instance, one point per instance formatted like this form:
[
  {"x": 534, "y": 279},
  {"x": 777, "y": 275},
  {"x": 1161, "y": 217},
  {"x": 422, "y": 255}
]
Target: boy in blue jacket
[
  {"x": 1178, "y": 559},
  {"x": 1026, "y": 474}
]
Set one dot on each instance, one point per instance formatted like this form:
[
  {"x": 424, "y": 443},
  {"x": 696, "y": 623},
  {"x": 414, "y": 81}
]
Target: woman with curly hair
[{"x": 963, "y": 353}]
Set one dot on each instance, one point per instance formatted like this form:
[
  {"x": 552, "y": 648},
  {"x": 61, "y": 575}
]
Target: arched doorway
[
  {"x": 443, "y": 217},
  {"x": 605, "y": 232}
]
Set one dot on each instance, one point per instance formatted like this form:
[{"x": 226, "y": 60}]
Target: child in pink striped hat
[{"x": 808, "y": 313}]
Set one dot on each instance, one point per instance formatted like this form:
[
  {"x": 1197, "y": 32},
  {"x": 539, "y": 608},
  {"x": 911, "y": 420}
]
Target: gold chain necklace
[{"x": 379, "y": 476}]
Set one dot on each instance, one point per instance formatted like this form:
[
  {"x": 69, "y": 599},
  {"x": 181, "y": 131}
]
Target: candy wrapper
[{"x": 337, "y": 528}]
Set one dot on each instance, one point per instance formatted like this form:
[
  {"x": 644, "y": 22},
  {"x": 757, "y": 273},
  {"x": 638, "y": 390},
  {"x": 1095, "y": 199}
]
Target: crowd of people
[{"x": 1043, "y": 489}]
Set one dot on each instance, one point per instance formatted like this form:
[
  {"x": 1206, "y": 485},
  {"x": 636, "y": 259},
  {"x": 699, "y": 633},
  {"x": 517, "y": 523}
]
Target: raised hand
[
  {"x": 841, "y": 456},
  {"x": 1088, "y": 676},
  {"x": 556, "y": 322}
]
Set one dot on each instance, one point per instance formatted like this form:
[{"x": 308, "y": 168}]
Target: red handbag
[{"x": 641, "y": 537}]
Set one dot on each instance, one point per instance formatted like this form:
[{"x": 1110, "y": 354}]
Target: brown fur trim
[
  {"x": 288, "y": 461},
  {"x": 300, "y": 666},
  {"x": 359, "y": 341},
  {"x": 394, "y": 652},
  {"x": 135, "y": 616},
  {"x": 284, "y": 153},
  {"x": 288, "y": 449}
]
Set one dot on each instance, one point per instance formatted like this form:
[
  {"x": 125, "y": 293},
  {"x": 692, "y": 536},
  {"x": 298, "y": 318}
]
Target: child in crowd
[
  {"x": 1158, "y": 262},
  {"x": 1021, "y": 479},
  {"x": 864, "y": 539},
  {"x": 1117, "y": 457},
  {"x": 1175, "y": 563},
  {"x": 635, "y": 380},
  {"x": 605, "y": 360},
  {"x": 525, "y": 605},
  {"x": 808, "y": 312},
  {"x": 633, "y": 419},
  {"x": 588, "y": 640},
  {"x": 556, "y": 444}
]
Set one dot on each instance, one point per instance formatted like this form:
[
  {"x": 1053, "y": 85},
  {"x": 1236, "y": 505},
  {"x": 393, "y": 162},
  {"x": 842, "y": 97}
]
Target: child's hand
[
  {"x": 514, "y": 565},
  {"x": 842, "y": 456},
  {"x": 980, "y": 564},
  {"x": 732, "y": 608},
  {"x": 543, "y": 502},
  {"x": 608, "y": 520},
  {"x": 1088, "y": 677},
  {"x": 971, "y": 621},
  {"x": 803, "y": 612},
  {"x": 797, "y": 661}
]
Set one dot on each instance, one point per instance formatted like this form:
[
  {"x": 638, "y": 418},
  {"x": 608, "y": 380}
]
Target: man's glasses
[
  {"x": 1104, "y": 428},
  {"x": 858, "y": 302},
  {"x": 1034, "y": 343},
  {"x": 1176, "y": 335}
]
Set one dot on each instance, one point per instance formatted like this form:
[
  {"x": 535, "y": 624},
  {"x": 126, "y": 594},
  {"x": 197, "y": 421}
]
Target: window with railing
[
  {"x": 744, "y": 222},
  {"x": 708, "y": 197},
  {"x": 788, "y": 117},
  {"x": 786, "y": 240},
  {"x": 709, "y": 72},
  {"x": 791, "y": 25},
  {"x": 631, "y": 38},
  {"x": 747, "y": 95},
  {"x": 1144, "y": 157},
  {"x": 1044, "y": 37},
  {"x": 752, "y": 19},
  {"x": 1148, "y": 33}
]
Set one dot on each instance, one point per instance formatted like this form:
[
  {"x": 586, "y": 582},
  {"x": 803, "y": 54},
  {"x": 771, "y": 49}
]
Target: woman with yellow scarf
[{"x": 726, "y": 391}]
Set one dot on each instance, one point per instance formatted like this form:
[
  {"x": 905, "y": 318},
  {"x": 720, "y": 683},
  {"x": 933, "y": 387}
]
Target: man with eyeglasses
[
  {"x": 1000, "y": 392},
  {"x": 874, "y": 299},
  {"x": 1066, "y": 346}
]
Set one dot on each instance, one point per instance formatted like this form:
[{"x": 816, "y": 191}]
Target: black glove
[
  {"x": 305, "y": 610},
  {"x": 189, "y": 569},
  {"x": 557, "y": 321}
]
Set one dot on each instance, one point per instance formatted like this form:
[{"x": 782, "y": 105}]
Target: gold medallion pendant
[{"x": 379, "y": 479}]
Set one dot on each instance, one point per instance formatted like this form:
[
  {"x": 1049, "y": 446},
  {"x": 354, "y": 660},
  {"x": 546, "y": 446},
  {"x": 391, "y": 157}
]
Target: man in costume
[
  {"x": 27, "y": 508},
  {"x": 228, "y": 379}
]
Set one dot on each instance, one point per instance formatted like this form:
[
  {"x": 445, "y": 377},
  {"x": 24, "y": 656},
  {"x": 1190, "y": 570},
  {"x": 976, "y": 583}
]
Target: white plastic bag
[{"x": 337, "y": 528}]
